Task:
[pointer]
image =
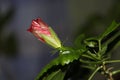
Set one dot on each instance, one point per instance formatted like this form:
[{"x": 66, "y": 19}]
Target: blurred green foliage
[
  {"x": 96, "y": 22},
  {"x": 8, "y": 44}
]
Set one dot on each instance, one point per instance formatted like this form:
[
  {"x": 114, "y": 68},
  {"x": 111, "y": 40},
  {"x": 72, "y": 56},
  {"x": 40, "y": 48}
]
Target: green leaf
[
  {"x": 57, "y": 75},
  {"x": 110, "y": 38},
  {"x": 45, "y": 71},
  {"x": 79, "y": 42},
  {"x": 113, "y": 42},
  {"x": 112, "y": 27},
  {"x": 65, "y": 58},
  {"x": 68, "y": 57}
]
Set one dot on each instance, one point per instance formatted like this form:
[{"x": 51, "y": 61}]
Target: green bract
[{"x": 52, "y": 40}]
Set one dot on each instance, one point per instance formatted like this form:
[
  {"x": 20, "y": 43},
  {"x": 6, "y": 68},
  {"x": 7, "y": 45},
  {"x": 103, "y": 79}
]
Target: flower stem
[{"x": 90, "y": 78}]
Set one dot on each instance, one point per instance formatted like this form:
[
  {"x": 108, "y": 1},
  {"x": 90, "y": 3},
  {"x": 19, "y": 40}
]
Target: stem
[
  {"x": 89, "y": 62},
  {"x": 99, "y": 43},
  {"x": 100, "y": 48},
  {"x": 90, "y": 78},
  {"x": 110, "y": 76},
  {"x": 115, "y": 72},
  {"x": 112, "y": 61}
]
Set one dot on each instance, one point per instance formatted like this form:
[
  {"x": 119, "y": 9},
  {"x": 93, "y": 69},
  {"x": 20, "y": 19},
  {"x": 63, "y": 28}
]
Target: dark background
[{"x": 21, "y": 55}]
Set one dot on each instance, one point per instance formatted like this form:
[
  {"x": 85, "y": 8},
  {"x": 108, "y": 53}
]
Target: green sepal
[
  {"x": 52, "y": 40},
  {"x": 54, "y": 35}
]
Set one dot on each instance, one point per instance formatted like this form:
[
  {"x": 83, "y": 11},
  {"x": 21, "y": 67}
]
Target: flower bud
[{"x": 44, "y": 33}]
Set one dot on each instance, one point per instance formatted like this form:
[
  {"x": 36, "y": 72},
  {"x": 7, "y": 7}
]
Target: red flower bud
[
  {"x": 39, "y": 27},
  {"x": 44, "y": 33}
]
